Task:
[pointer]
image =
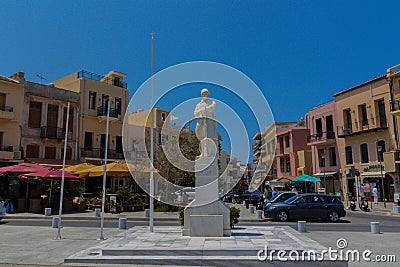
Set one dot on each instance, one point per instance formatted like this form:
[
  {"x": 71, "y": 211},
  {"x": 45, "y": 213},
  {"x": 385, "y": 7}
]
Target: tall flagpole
[
  {"x": 63, "y": 175},
  {"x": 103, "y": 198},
  {"x": 151, "y": 221}
]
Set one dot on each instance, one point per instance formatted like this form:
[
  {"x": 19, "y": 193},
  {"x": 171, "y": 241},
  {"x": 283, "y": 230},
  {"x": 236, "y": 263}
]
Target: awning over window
[
  {"x": 373, "y": 174},
  {"x": 327, "y": 174}
]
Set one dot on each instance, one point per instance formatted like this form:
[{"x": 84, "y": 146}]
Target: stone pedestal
[{"x": 207, "y": 215}]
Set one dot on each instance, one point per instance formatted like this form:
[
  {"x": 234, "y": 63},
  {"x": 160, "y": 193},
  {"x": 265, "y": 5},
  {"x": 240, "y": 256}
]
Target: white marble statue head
[{"x": 205, "y": 92}]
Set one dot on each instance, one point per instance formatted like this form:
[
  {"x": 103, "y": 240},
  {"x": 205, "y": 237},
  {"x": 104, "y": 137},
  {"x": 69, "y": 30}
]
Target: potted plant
[
  {"x": 133, "y": 203},
  {"x": 235, "y": 214}
]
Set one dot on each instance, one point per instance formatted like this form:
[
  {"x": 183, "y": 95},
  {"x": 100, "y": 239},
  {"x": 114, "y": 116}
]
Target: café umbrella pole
[
  {"x": 103, "y": 198},
  {"x": 63, "y": 175}
]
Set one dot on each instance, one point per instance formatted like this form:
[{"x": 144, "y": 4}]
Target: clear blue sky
[{"x": 299, "y": 52}]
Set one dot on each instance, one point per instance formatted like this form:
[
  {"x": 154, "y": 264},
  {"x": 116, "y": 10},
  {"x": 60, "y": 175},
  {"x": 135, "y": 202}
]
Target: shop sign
[{"x": 374, "y": 168}]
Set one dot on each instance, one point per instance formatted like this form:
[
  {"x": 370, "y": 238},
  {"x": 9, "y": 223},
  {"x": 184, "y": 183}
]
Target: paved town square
[{"x": 199, "y": 133}]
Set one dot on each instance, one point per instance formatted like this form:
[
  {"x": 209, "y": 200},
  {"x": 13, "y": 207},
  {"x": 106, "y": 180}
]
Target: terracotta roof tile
[{"x": 3, "y": 78}]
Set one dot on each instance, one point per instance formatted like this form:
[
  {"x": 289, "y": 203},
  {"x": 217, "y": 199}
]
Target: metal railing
[
  {"x": 322, "y": 136},
  {"x": 53, "y": 132},
  {"x": 6, "y": 148},
  {"x": 357, "y": 127},
  {"x": 397, "y": 155},
  {"x": 102, "y": 78},
  {"x": 99, "y": 153},
  {"x": 395, "y": 105},
  {"x": 102, "y": 112},
  {"x": 7, "y": 108}
]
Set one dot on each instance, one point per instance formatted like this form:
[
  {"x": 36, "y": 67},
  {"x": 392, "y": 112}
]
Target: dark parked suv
[
  {"x": 254, "y": 198},
  {"x": 307, "y": 206}
]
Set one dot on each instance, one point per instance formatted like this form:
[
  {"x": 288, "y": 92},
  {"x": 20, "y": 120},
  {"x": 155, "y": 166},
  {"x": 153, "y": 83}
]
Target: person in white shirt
[{"x": 375, "y": 195}]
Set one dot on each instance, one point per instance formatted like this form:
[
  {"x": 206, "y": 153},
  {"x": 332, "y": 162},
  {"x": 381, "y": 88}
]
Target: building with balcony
[
  {"x": 392, "y": 157},
  {"x": 322, "y": 122},
  {"x": 43, "y": 123},
  {"x": 95, "y": 93},
  {"x": 288, "y": 145},
  {"x": 11, "y": 101},
  {"x": 264, "y": 151},
  {"x": 229, "y": 170},
  {"x": 365, "y": 132}
]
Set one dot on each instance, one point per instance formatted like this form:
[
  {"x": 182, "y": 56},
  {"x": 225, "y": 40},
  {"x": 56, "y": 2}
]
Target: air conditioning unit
[{"x": 17, "y": 154}]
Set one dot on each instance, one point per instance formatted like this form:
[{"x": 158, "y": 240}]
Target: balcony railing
[
  {"x": 361, "y": 127},
  {"x": 102, "y": 112},
  {"x": 6, "y": 148},
  {"x": 102, "y": 78},
  {"x": 100, "y": 153},
  {"x": 397, "y": 155},
  {"x": 53, "y": 132},
  {"x": 323, "y": 136},
  {"x": 395, "y": 105},
  {"x": 7, "y": 108}
]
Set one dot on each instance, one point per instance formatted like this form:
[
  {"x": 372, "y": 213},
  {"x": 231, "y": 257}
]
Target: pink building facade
[
  {"x": 288, "y": 144},
  {"x": 323, "y": 140}
]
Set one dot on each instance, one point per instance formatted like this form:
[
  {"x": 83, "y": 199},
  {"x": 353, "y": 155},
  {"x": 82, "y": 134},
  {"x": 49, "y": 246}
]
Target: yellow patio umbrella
[
  {"x": 115, "y": 168},
  {"x": 79, "y": 167}
]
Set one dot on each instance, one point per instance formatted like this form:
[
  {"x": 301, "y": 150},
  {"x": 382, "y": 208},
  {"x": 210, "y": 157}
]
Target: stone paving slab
[{"x": 166, "y": 245}]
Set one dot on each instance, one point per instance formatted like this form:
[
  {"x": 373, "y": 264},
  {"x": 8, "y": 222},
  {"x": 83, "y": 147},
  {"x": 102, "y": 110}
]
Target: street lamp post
[
  {"x": 379, "y": 148},
  {"x": 323, "y": 162}
]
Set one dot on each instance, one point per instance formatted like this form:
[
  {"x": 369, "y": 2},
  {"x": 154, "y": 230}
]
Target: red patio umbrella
[
  {"x": 50, "y": 174},
  {"x": 26, "y": 167}
]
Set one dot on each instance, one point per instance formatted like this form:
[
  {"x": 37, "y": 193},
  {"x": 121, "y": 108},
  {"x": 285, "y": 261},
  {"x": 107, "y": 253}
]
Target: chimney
[{"x": 19, "y": 76}]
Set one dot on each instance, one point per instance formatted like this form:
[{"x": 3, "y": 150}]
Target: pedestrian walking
[{"x": 375, "y": 195}]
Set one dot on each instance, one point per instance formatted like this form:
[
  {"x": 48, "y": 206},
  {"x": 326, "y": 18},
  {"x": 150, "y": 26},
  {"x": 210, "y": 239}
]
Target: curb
[
  {"x": 85, "y": 218},
  {"x": 49, "y": 218},
  {"x": 385, "y": 213}
]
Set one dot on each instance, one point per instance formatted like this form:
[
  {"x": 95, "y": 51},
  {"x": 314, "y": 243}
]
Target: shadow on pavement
[{"x": 246, "y": 234}]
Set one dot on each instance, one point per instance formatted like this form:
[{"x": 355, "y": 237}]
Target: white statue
[{"x": 206, "y": 127}]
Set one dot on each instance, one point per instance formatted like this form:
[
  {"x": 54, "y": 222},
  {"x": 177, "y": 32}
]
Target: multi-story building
[
  {"x": 96, "y": 92},
  {"x": 365, "y": 132},
  {"x": 43, "y": 123},
  {"x": 323, "y": 140},
  {"x": 392, "y": 158},
  {"x": 229, "y": 170},
  {"x": 281, "y": 153},
  {"x": 11, "y": 101},
  {"x": 289, "y": 143},
  {"x": 141, "y": 119}
]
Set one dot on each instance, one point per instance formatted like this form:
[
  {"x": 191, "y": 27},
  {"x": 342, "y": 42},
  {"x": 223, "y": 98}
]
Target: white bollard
[
  {"x": 244, "y": 202},
  {"x": 54, "y": 222},
  {"x": 259, "y": 214},
  {"x": 396, "y": 209},
  {"x": 251, "y": 208},
  {"x": 47, "y": 211},
  {"x": 147, "y": 213},
  {"x": 97, "y": 212},
  {"x": 375, "y": 228},
  {"x": 302, "y": 226},
  {"x": 122, "y": 223}
]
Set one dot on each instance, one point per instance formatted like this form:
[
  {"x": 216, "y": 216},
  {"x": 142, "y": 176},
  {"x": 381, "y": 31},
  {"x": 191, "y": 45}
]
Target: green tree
[{"x": 189, "y": 146}]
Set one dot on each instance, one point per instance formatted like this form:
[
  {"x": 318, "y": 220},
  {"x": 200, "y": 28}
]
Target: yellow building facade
[
  {"x": 11, "y": 103},
  {"x": 96, "y": 92},
  {"x": 366, "y": 131}
]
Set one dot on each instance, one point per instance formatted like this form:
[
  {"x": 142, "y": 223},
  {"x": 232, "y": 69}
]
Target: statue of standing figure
[{"x": 206, "y": 128}]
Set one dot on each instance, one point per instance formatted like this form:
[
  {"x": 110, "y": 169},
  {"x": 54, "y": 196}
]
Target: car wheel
[
  {"x": 282, "y": 216},
  {"x": 333, "y": 216}
]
